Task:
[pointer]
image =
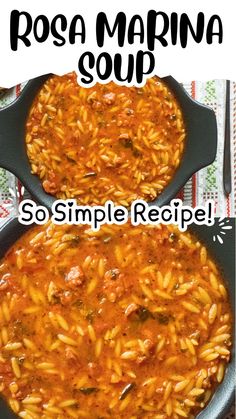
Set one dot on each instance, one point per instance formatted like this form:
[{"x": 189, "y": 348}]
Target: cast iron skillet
[
  {"x": 200, "y": 149},
  {"x": 223, "y": 254}
]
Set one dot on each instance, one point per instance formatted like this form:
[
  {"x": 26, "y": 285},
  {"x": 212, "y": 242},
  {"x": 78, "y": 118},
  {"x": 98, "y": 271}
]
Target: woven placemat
[{"x": 208, "y": 182}]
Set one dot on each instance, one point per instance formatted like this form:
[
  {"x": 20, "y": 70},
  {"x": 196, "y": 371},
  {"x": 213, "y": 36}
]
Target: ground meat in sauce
[{"x": 112, "y": 322}]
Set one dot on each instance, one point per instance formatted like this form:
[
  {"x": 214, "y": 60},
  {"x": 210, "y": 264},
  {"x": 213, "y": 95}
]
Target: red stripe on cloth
[
  {"x": 194, "y": 178},
  {"x": 4, "y": 211},
  {"x": 194, "y": 190},
  {"x": 20, "y": 196},
  {"x": 193, "y": 89},
  {"x": 18, "y": 90},
  {"x": 19, "y": 185},
  {"x": 228, "y": 206},
  {"x": 180, "y": 194}
]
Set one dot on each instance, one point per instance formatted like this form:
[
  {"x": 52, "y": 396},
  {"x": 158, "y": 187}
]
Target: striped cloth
[{"x": 208, "y": 182}]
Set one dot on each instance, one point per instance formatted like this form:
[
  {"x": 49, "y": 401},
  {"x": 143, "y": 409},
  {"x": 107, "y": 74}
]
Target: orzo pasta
[
  {"x": 127, "y": 322},
  {"x": 104, "y": 142}
]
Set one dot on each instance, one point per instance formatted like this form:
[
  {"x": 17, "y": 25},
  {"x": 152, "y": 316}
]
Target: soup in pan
[
  {"x": 104, "y": 142},
  {"x": 127, "y": 322}
]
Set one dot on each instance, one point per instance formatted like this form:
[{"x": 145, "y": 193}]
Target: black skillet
[
  {"x": 200, "y": 149},
  {"x": 224, "y": 254}
]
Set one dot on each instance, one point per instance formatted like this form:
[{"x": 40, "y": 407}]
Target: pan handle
[
  {"x": 204, "y": 137},
  {"x": 201, "y": 127},
  {"x": 12, "y": 127},
  {"x": 8, "y": 127}
]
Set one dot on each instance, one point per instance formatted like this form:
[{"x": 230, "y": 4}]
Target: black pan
[
  {"x": 200, "y": 150},
  {"x": 225, "y": 256}
]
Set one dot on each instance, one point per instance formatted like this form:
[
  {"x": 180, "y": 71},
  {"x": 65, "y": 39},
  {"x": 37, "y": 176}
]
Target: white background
[{"x": 196, "y": 61}]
